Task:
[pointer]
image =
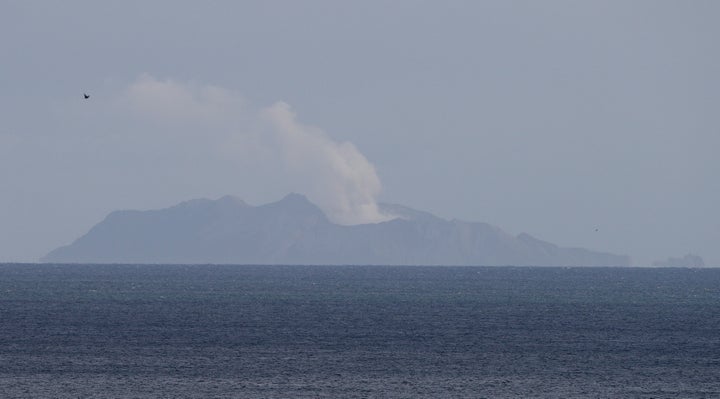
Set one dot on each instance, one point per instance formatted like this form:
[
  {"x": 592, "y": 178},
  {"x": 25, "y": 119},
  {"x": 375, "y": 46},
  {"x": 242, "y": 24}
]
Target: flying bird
[{"x": 86, "y": 95}]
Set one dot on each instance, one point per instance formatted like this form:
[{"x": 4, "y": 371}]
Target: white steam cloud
[{"x": 334, "y": 175}]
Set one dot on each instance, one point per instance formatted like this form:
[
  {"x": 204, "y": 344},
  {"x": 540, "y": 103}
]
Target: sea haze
[{"x": 108, "y": 331}]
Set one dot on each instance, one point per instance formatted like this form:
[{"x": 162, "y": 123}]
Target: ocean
[{"x": 211, "y": 331}]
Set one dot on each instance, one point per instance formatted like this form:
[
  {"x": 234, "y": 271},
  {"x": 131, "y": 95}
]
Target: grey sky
[{"x": 551, "y": 118}]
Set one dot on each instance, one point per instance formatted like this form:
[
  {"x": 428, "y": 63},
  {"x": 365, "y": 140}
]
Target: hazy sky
[{"x": 553, "y": 118}]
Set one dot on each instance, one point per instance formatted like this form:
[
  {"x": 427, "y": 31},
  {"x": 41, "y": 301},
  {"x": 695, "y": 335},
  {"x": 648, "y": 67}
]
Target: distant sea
[{"x": 208, "y": 331}]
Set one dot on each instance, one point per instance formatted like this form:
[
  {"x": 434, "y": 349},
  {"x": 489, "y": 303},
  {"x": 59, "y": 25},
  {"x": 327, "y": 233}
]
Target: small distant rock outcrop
[
  {"x": 688, "y": 260},
  {"x": 295, "y": 231}
]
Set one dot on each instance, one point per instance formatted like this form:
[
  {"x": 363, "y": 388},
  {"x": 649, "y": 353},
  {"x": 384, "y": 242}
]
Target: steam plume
[{"x": 334, "y": 175}]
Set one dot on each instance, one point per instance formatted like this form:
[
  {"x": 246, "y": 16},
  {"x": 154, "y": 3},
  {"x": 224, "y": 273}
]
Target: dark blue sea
[{"x": 208, "y": 331}]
